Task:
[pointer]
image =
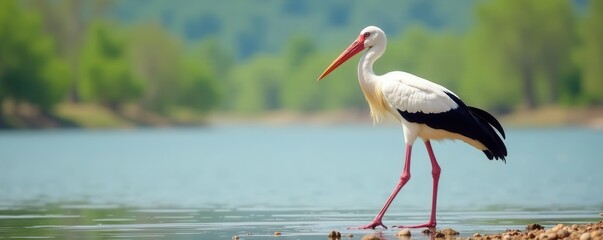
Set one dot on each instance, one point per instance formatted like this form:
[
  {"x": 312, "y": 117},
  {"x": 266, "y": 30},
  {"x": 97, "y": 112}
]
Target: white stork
[{"x": 425, "y": 109}]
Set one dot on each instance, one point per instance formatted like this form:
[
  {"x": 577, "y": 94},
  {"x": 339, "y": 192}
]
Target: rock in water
[
  {"x": 334, "y": 235},
  {"x": 449, "y": 232},
  {"x": 534, "y": 226},
  {"x": 404, "y": 232}
]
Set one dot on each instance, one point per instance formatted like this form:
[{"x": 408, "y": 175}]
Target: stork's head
[{"x": 368, "y": 37}]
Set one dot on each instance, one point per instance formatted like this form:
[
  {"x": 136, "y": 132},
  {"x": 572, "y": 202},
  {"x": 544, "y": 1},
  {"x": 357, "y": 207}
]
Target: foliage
[
  {"x": 29, "y": 70},
  {"x": 254, "y": 27},
  {"x": 256, "y": 85},
  {"x": 434, "y": 56},
  {"x": 107, "y": 75},
  {"x": 173, "y": 78},
  {"x": 526, "y": 41},
  {"x": 198, "y": 89},
  {"x": 156, "y": 58},
  {"x": 68, "y": 21},
  {"x": 198, "y": 56},
  {"x": 212, "y": 64},
  {"x": 592, "y": 53}
]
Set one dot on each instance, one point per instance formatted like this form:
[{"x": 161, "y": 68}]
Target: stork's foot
[
  {"x": 424, "y": 225},
  {"x": 372, "y": 225}
]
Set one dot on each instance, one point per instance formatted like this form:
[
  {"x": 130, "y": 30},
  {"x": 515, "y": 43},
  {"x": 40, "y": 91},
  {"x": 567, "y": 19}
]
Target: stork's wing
[
  {"x": 420, "y": 101},
  {"x": 407, "y": 92}
]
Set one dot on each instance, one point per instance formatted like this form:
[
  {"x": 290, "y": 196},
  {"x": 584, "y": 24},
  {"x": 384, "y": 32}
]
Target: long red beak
[{"x": 354, "y": 48}]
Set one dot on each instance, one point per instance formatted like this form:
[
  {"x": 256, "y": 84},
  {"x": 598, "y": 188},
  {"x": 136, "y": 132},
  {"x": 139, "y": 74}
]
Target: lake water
[{"x": 303, "y": 181}]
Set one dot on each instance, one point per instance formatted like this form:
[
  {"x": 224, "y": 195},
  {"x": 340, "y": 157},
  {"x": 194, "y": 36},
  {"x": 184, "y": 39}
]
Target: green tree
[
  {"x": 592, "y": 53},
  {"x": 486, "y": 77},
  {"x": 215, "y": 56},
  {"x": 557, "y": 42},
  {"x": 298, "y": 50},
  {"x": 107, "y": 75},
  {"x": 444, "y": 60},
  {"x": 299, "y": 87},
  {"x": 174, "y": 78},
  {"x": 407, "y": 52},
  {"x": 68, "y": 21},
  {"x": 199, "y": 90},
  {"x": 256, "y": 85},
  {"x": 217, "y": 62},
  {"x": 300, "y": 91},
  {"x": 157, "y": 58},
  {"x": 29, "y": 69},
  {"x": 530, "y": 40},
  {"x": 434, "y": 56}
]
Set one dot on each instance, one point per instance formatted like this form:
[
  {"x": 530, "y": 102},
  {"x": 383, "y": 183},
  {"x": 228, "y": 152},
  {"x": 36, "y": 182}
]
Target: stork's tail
[{"x": 496, "y": 147}]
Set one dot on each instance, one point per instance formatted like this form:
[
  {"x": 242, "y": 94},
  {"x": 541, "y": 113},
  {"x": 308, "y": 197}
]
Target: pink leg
[
  {"x": 435, "y": 172},
  {"x": 403, "y": 180}
]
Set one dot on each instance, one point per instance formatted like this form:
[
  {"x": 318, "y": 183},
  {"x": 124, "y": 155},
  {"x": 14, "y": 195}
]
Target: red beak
[{"x": 349, "y": 52}]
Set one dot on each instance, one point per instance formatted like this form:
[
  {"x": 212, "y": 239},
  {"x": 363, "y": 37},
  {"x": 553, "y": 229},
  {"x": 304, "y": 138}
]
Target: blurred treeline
[{"x": 153, "y": 62}]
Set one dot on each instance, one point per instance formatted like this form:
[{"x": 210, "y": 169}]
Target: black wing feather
[
  {"x": 488, "y": 118},
  {"x": 471, "y": 122}
]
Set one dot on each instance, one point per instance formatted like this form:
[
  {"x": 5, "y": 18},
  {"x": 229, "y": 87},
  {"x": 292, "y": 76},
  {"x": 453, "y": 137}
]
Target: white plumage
[{"x": 408, "y": 92}]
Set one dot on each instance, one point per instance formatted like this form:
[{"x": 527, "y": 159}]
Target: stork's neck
[
  {"x": 369, "y": 81},
  {"x": 366, "y": 76}
]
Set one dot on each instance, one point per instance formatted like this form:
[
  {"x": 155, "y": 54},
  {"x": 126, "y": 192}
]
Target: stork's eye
[{"x": 367, "y": 34}]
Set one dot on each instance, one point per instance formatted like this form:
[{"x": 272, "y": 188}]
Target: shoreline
[
  {"x": 585, "y": 231},
  {"x": 88, "y": 116},
  {"x": 589, "y": 117}
]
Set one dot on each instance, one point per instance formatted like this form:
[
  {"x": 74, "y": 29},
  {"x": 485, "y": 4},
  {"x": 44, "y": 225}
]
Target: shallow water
[
  {"x": 112, "y": 222},
  {"x": 303, "y": 181}
]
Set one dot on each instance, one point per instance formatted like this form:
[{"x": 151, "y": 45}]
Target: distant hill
[{"x": 252, "y": 26}]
